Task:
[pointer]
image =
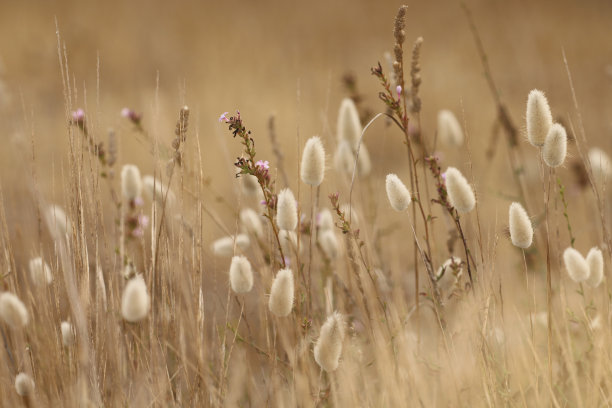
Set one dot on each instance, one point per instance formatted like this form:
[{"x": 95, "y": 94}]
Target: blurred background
[{"x": 286, "y": 57}]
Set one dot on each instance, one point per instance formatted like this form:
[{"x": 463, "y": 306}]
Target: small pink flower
[
  {"x": 223, "y": 117},
  {"x": 138, "y": 202},
  {"x": 138, "y": 232},
  {"x": 443, "y": 175},
  {"x": 263, "y": 164},
  {"x": 78, "y": 115},
  {"x": 143, "y": 221},
  {"x": 126, "y": 112},
  {"x": 398, "y": 89}
]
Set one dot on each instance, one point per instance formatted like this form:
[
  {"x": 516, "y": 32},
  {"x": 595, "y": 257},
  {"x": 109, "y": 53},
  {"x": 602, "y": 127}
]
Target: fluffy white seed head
[
  {"x": 313, "y": 162},
  {"x": 155, "y": 191},
  {"x": 397, "y": 193},
  {"x": 349, "y": 125},
  {"x": 449, "y": 130},
  {"x": 577, "y": 267},
  {"x": 521, "y": 230},
  {"x": 24, "y": 385},
  {"x": 12, "y": 310},
  {"x": 250, "y": 185},
  {"x": 286, "y": 210},
  {"x": 281, "y": 294},
  {"x": 40, "y": 273},
  {"x": 596, "y": 267},
  {"x": 329, "y": 243},
  {"x": 251, "y": 221},
  {"x": 131, "y": 183},
  {"x": 326, "y": 220},
  {"x": 57, "y": 221},
  {"x": 600, "y": 164},
  {"x": 68, "y": 336},
  {"x": 539, "y": 118},
  {"x": 555, "y": 146},
  {"x": 460, "y": 193},
  {"x": 135, "y": 303},
  {"x": 449, "y": 272},
  {"x": 364, "y": 162},
  {"x": 241, "y": 275},
  {"x": 344, "y": 159},
  {"x": 328, "y": 348},
  {"x": 225, "y": 246},
  {"x": 288, "y": 241}
]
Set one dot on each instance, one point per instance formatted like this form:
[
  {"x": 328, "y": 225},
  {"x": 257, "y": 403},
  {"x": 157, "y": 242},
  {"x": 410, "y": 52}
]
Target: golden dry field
[{"x": 233, "y": 204}]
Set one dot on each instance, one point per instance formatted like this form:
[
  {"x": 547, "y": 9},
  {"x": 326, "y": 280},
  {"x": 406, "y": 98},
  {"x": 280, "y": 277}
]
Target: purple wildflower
[
  {"x": 223, "y": 117},
  {"x": 263, "y": 164}
]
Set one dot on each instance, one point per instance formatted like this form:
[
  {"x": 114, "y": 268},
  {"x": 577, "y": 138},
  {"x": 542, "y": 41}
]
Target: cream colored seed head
[
  {"x": 57, "y": 221},
  {"x": 596, "y": 267},
  {"x": 40, "y": 273},
  {"x": 577, "y": 267},
  {"x": 349, "y": 125},
  {"x": 539, "y": 118},
  {"x": 251, "y": 221},
  {"x": 155, "y": 191},
  {"x": 555, "y": 146},
  {"x": 600, "y": 165},
  {"x": 241, "y": 275},
  {"x": 281, "y": 293},
  {"x": 521, "y": 230},
  {"x": 288, "y": 242},
  {"x": 286, "y": 210},
  {"x": 397, "y": 193},
  {"x": 326, "y": 220},
  {"x": 225, "y": 246},
  {"x": 12, "y": 311},
  {"x": 313, "y": 162},
  {"x": 24, "y": 385},
  {"x": 131, "y": 183},
  {"x": 460, "y": 193},
  {"x": 449, "y": 129},
  {"x": 135, "y": 302},
  {"x": 68, "y": 336},
  {"x": 329, "y": 243},
  {"x": 328, "y": 348}
]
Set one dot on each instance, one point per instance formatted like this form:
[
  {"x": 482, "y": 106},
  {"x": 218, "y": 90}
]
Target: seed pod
[
  {"x": 251, "y": 222},
  {"x": 225, "y": 246},
  {"x": 131, "y": 184},
  {"x": 281, "y": 294},
  {"x": 596, "y": 267},
  {"x": 12, "y": 311},
  {"x": 349, "y": 125},
  {"x": 286, "y": 210},
  {"x": 24, "y": 384},
  {"x": 555, "y": 146},
  {"x": 539, "y": 118},
  {"x": 397, "y": 193},
  {"x": 328, "y": 348},
  {"x": 313, "y": 162},
  {"x": 135, "y": 303},
  {"x": 460, "y": 193},
  {"x": 449, "y": 129},
  {"x": 241, "y": 275},
  {"x": 600, "y": 165},
  {"x": 577, "y": 267},
  {"x": 521, "y": 230},
  {"x": 40, "y": 273},
  {"x": 68, "y": 336}
]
